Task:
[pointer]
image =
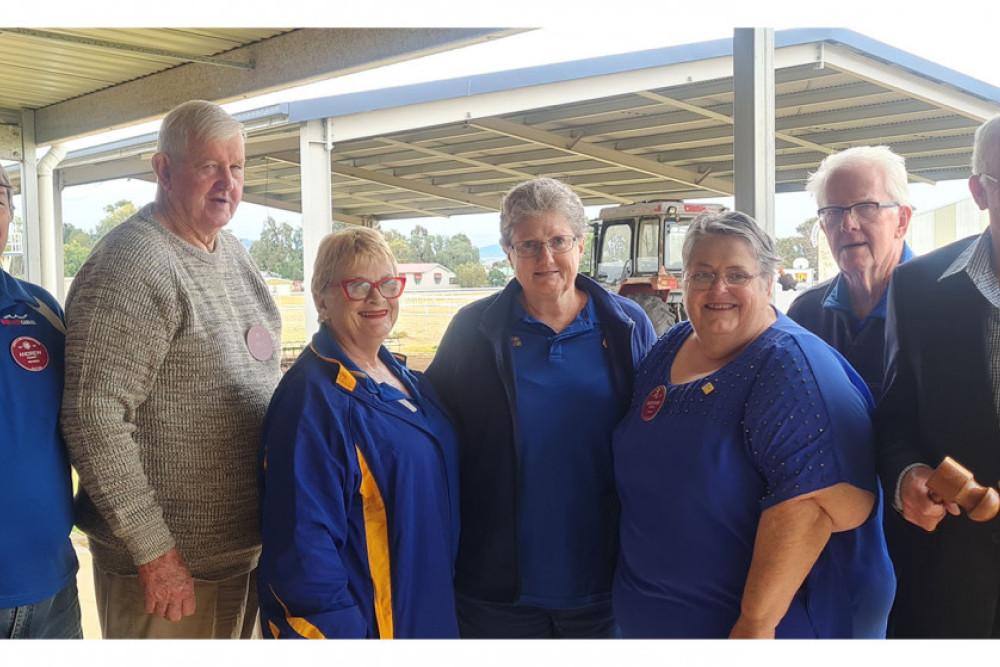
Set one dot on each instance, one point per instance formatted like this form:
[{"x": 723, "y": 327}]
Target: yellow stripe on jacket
[
  {"x": 377, "y": 533},
  {"x": 300, "y": 625}
]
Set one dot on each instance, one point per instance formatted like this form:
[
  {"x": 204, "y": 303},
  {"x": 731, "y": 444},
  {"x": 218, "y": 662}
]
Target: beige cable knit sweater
[{"x": 164, "y": 401}]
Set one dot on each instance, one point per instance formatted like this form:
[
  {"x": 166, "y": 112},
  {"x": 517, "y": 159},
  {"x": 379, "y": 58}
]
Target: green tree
[
  {"x": 117, "y": 213},
  {"x": 496, "y": 276},
  {"x": 471, "y": 275},
  {"x": 77, "y": 244},
  {"x": 457, "y": 250},
  {"x": 15, "y": 266},
  {"x": 800, "y": 245},
  {"x": 279, "y": 250},
  {"x": 587, "y": 260},
  {"x": 400, "y": 246},
  {"x": 426, "y": 246}
]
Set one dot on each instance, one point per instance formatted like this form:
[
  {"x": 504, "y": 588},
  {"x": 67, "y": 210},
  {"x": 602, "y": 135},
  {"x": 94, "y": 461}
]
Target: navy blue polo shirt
[
  {"x": 36, "y": 496},
  {"x": 568, "y": 506},
  {"x": 839, "y": 298}
]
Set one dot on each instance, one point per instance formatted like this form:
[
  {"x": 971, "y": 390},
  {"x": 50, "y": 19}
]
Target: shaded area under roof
[{"x": 618, "y": 129}]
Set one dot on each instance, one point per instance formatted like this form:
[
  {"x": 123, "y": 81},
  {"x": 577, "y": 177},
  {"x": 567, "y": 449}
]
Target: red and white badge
[
  {"x": 29, "y": 354},
  {"x": 653, "y": 402}
]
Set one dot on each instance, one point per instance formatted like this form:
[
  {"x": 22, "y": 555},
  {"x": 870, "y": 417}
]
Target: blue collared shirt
[
  {"x": 839, "y": 298},
  {"x": 36, "y": 495},
  {"x": 568, "y": 505}
]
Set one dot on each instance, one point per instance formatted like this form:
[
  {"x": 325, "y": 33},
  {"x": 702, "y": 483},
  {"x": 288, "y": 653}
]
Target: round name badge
[
  {"x": 29, "y": 354},
  {"x": 653, "y": 402},
  {"x": 259, "y": 343}
]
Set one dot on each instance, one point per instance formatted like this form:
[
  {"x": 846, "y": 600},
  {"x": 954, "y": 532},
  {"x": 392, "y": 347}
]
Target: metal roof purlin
[{"x": 603, "y": 154}]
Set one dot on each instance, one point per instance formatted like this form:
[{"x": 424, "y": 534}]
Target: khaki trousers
[{"x": 224, "y": 609}]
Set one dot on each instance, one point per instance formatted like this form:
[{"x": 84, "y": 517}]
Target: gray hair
[
  {"x": 6, "y": 186},
  {"x": 892, "y": 166},
  {"x": 733, "y": 223},
  {"x": 347, "y": 247},
  {"x": 986, "y": 135},
  {"x": 535, "y": 197},
  {"x": 196, "y": 121}
]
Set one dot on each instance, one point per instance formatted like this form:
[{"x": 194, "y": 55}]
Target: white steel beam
[
  {"x": 488, "y": 203},
  {"x": 753, "y": 124},
  {"x": 380, "y": 122},
  {"x": 613, "y": 157},
  {"x": 903, "y": 82},
  {"x": 294, "y": 58},
  {"x": 29, "y": 203},
  {"x": 495, "y": 168},
  {"x": 317, "y": 206}
]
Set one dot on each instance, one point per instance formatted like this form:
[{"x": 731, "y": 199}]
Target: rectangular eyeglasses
[{"x": 358, "y": 289}]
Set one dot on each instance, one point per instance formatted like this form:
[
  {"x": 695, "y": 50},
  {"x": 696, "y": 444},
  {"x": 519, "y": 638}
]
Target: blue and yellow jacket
[{"x": 359, "y": 504}]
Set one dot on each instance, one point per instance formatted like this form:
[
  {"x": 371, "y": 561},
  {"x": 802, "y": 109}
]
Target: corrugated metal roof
[
  {"x": 39, "y": 67},
  {"x": 618, "y": 129}
]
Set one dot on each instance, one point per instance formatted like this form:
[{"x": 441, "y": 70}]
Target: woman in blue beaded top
[{"x": 745, "y": 467}]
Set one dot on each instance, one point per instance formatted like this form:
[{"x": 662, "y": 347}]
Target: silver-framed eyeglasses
[
  {"x": 864, "y": 212},
  {"x": 358, "y": 289},
  {"x": 557, "y": 245},
  {"x": 993, "y": 180},
  {"x": 703, "y": 280}
]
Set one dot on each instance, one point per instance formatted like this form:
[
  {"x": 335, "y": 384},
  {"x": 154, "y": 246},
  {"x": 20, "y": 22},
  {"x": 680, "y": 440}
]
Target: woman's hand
[
  {"x": 746, "y": 629},
  {"x": 790, "y": 537}
]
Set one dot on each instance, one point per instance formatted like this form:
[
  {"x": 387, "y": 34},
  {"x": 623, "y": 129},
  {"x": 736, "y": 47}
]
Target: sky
[{"x": 570, "y": 32}]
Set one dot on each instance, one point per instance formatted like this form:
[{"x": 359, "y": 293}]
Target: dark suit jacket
[{"x": 938, "y": 401}]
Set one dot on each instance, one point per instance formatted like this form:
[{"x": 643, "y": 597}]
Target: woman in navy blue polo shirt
[{"x": 536, "y": 377}]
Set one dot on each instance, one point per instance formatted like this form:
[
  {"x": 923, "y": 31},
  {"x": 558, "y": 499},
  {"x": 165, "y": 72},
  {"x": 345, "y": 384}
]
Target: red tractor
[{"x": 637, "y": 253}]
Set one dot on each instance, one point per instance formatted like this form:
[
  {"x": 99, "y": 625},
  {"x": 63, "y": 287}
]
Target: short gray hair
[
  {"x": 196, "y": 121},
  {"x": 6, "y": 186},
  {"x": 733, "y": 223},
  {"x": 986, "y": 135},
  {"x": 535, "y": 197},
  {"x": 892, "y": 166}
]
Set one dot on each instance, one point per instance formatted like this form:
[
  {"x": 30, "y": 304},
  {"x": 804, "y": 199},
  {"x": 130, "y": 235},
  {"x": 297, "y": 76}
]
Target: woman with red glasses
[{"x": 358, "y": 470}]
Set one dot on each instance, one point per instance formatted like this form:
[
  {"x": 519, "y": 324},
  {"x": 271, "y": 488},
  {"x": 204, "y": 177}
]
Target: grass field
[{"x": 423, "y": 318}]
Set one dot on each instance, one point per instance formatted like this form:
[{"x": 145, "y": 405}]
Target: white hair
[{"x": 893, "y": 169}]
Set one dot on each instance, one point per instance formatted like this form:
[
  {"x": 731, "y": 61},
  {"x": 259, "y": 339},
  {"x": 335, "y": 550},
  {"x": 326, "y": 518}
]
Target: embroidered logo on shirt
[
  {"x": 653, "y": 403},
  {"x": 16, "y": 319},
  {"x": 29, "y": 354}
]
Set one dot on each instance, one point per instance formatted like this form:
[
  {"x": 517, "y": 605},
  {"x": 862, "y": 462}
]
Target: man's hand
[
  {"x": 167, "y": 585},
  {"x": 921, "y": 506}
]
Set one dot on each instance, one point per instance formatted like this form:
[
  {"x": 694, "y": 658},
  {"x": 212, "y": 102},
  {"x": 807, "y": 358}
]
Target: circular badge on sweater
[
  {"x": 259, "y": 343},
  {"x": 29, "y": 354},
  {"x": 653, "y": 402}
]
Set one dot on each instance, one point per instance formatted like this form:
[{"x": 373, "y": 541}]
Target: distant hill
[{"x": 491, "y": 252}]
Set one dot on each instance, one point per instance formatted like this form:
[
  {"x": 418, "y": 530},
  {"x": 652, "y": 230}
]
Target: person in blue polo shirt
[
  {"x": 38, "y": 597},
  {"x": 864, "y": 209},
  {"x": 536, "y": 378}
]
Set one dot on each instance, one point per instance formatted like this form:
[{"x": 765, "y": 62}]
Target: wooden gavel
[{"x": 955, "y": 484}]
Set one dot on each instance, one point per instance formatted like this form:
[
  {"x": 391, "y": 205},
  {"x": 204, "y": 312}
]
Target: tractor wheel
[{"x": 662, "y": 315}]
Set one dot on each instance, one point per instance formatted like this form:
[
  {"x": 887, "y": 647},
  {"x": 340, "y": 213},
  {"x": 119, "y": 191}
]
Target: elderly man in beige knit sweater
[{"x": 171, "y": 359}]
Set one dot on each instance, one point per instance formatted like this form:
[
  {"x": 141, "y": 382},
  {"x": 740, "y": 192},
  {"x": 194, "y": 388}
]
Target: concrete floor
[{"x": 85, "y": 586}]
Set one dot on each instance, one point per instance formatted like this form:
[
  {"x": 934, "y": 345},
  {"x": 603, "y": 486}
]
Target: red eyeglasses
[{"x": 357, "y": 289}]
